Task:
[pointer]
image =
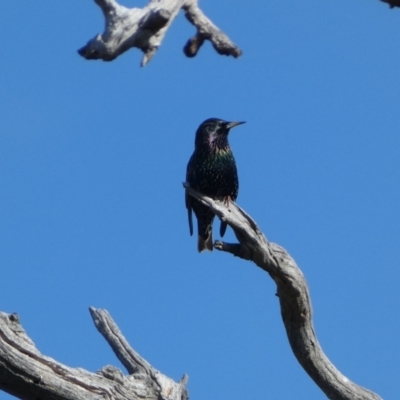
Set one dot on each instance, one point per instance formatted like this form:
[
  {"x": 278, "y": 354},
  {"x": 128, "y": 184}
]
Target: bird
[{"x": 212, "y": 171}]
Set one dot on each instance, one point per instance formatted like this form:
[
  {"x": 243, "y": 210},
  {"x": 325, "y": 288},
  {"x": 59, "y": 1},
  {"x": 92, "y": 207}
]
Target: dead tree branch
[
  {"x": 392, "y": 3},
  {"x": 28, "y": 374},
  {"x": 146, "y": 27},
  {"x": 294, "y": 298}
]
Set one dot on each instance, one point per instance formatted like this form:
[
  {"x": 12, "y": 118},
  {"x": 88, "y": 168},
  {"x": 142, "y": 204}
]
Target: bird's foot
[{"x": 227, "y": 200}]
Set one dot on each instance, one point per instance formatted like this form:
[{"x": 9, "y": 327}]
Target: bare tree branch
[
  {"x": 392, "y": 3},
  {"x": 27, "y": 374},
  {"x": 294, "y": 298},
  {"x": 146, "y": 27}
]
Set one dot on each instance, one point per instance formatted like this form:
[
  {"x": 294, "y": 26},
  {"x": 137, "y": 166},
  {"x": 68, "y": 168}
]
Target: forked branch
[
  {"x": 146, "y": 27},
  {"x": 294, "y": 298},
  {"x": 28, "y": 374}
]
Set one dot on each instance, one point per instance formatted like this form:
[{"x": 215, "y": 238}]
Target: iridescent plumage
[{"x": 212, "y": 171}]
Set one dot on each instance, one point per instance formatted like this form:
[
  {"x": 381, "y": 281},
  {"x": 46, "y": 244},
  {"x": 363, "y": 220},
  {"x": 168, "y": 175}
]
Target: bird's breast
[{"x": 214, "y": 174}]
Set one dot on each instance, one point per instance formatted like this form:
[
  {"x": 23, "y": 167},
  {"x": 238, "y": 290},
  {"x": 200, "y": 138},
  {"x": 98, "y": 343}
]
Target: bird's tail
[
  {"x": 204, "y": 229},
  {"x": 205, "y": 243}
]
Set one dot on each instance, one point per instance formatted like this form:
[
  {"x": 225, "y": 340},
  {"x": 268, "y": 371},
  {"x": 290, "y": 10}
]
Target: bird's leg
[{"x": 227, "y": 200}]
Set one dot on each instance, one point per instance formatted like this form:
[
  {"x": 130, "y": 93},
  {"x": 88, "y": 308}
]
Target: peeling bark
[
  {"x": 28, "y": 374},
  {"x": 294, "y": 298},
  {"x": 146, "y": 27}
]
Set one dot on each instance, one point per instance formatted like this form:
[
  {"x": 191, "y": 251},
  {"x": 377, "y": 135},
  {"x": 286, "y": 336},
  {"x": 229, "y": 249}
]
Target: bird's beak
[{"x": 230, "y": 125}]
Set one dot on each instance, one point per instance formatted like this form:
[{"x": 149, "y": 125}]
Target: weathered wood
[
  {"x": 146, "y": 27},
  {"x": 28, "y": 374},
  {"x": 294, "y": 298}
]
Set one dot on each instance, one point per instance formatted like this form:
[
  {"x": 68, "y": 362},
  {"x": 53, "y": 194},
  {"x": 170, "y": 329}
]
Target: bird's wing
[
  {"x": 188, "y": 197},
  {"x": 188, "y": 201}
]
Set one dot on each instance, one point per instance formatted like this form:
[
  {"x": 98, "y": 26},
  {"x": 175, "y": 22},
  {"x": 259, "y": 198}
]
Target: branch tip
[
  {"x": 392, "y": 3},
  {"x": 145, "y": 28}
]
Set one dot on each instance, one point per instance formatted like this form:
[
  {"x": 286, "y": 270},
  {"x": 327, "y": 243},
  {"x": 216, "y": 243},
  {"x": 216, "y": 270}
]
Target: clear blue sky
[{"x": 92, "y": 160}]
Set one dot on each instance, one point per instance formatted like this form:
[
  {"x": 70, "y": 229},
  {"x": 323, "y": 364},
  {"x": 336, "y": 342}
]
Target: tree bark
[
  {"x": 146, "y": 27},
  {"x": 294, "y": 298},
  {"x": 27, "y": 374}
]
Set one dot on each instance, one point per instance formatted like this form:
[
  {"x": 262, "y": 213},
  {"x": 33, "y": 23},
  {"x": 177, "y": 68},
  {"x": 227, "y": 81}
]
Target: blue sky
[{"x": 92, "y": 160}]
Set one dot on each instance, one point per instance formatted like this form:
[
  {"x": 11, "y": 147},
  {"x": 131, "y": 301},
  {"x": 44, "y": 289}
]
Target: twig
[{"x": 131, "y": 360}]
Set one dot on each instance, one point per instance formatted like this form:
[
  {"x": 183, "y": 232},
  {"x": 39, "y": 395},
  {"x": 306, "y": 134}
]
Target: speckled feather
[{"x": 212, "y": 171}]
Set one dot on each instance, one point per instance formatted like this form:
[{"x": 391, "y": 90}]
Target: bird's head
[{"x": 214, "y": 132}]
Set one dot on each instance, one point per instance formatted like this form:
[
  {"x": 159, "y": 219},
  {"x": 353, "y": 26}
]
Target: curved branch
[
  {"x": 146, "y": 27},
  {"x": 294, "y": 298},
  {"x": 28, "y": 374}
]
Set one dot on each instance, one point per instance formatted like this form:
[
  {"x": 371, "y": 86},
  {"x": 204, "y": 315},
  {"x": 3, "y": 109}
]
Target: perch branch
[
  {"x": 294, "y": 298},
  {"x": 28, "y": 374},
  {"x": 146, "y": 27}
]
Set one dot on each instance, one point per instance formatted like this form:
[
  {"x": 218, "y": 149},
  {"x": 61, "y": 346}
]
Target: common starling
[{"x": 211, "y": 171}]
